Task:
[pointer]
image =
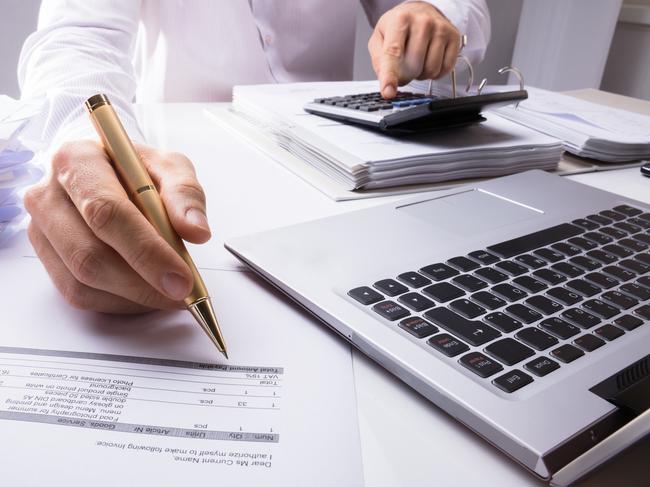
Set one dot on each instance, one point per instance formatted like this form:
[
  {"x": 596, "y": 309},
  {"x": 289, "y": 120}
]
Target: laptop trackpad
[{"x": 470, "y": 212}]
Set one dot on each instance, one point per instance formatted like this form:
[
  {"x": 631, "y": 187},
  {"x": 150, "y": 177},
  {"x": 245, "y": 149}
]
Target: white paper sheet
[{"x": 146, "y": 400}]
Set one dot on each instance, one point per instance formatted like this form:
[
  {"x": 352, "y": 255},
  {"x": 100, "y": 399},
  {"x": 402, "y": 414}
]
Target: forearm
[{"x": 76, "y": 52}]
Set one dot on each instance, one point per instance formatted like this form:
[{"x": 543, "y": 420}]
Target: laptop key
[
  {"x": 583, "y": 243},
  {"x": 463, "y": 264},
  {"x": 566, "y": 249},
  {"x": 365, "y": 295},
  {"x": 447, "y": 344},
  {"x": 524, "y": 313},
  {"x": 644, "y": 281},
  {"x": 509, "y": 292},
  {"x": 541, "y": 366},
  {"x": 512, "y": 381},
  {"x": 636, "y": 290},
  {"x": 511, "y": 268},
  {"x": 488, "y": 300},
  {"x": 617, "y": 250},
  {"x": 601, "y": 280},
  {"x": 502, "y": 321},
  {"x": 480, "y": 364},
  {"x": 466, "y": 308},
  {"x": 491, "y": 275},
  {"x": 643, "y": 311},
  {"x": 567, "y": 353},
  {"x": 628, "y": 322},
  {"x": 601, "y": 220},
  {"x": 469, "y": 282},
  {"x": 564, "y": 296},
  {"x": 439, "y": 272},
  {"x": 585, "y": 262},
  {"x": 543, "y": 305},
  {"x": 509, "y": 351},
  {"x": 529, "y": 284},
  {"x": 416, "y": 301},
  {"x": 612, "y": 215},
  {"x": 635, "y": 266},
  {"x": 586, "y": 224},
  {"x": 615, "y": 233},
  {"x": 549, "y": 255},
  {"x": 599, "y": 308},
  {"x": 580, "y": 317},
  {"x": 567, "y": 269},
  {"x": 474, "y": 332},
  {"x": 609, "y": 332},
  {"x": 443, "y": 292},
  {"x": 414, "y": 279},
  {"x": 640, "y": 222},
  {"x": 628, "y": 210},
  {"x": 644, "y": 258},
  {"x": 390, "y": 287},
  {"x": 618, "y": 272},
  {"x": 602, "y": 256},
  {"x": 483, "y": 257},
  {"x": 645, "y": 238},
  {"x": 583, "y": 287},
  {"x": 418, "y": 327},
  {"x": 628, "y": 227},
  {"x": 599, "y": 238},
  {"x": 589, "y": 342},
  {"x": 530, "y": 261},
  {"x": 536, "y": 338},
  {"x": 549, "y": 276},
  {"x": 535, "y": 240},
  {"x": 390, "y": 310},
  {"x": 559, "y": 328},
  {"x": 619, "y": 299}
]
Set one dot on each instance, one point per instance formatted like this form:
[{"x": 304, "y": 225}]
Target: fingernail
[
  {"x": 175, "y": 285},
  {"x": 389, "y": 91},
  {"x": 197, "y": 218}
]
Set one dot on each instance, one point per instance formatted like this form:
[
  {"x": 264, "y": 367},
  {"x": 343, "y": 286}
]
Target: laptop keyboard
[{"x": 536, "y": 303}]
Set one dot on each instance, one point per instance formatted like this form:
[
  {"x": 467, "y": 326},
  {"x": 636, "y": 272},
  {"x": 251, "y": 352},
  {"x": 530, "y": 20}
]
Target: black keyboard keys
[
  {"x": 601, "y": 280},
  {"x": 463, "y": 264},
  {"x": 512, "y": 381},
  {"x": 469, "y": 282},
  {"x": 466, "y": 308},
  {"x": 635, "y": 266},
  {"x": 628, "y": 322},
  {"x": 599, "y": 308},
  {"x": 509, "y": 292},
  {"x": 543, "y": 305},
  {"x": 643, "y": 311},
  {"x": 585, "y": 262},
  {"x": 551, "y": 277},
  {"x": 559, "y": 328},
  {"x": 628, "y": 210},
  {"x": 491, "y": 275},
  {"x": 447, "y": 344},
  {"x": 567, "y": 269},
  {"x": 566, "y": 249},
  {"x": 541, "y": 366},
  {"x": 580, "y": 317},
  {"x": 416, "y": 301},
  {"x": 535, "y": 240},
  {"x": 488, "y": 300},
  {"x": 418, "y": 327},
  {"x": 443, "y": 292},
  {"x": 390, "y": 310},
  {"x": 618, "y": 272},
  {"x": 620, "y": 300},
  {"x": 536, "y": 338},
  {"x": 621, "y": 252},
  {"x": 473, "y": 332},
  {"x": 549, "y": 255},
  {"x": 589, "y": 342},
  {"x": 530, "y": 261},
  {"x": 567, "y": 353},
  {"x": 439, "y": 272},
  {"x": 502, "y": 321},
  {"x": 414, "y": 279},
  {"x": 599, "y": 238},
  {"x": 564, "y": 296},
  {"x": 365, "y": 295},
  {"x": 511, "y": 268},
  {"x": 602, "y": 256},
  {"x": 583, "y": 243},
  {"x": 483, "y": 257},
  {"x": 529, "y": 284},
  {"x": 583, "y": 287},
  {"x": 523, "y": 313},
  {"x": 633, "y": 289},
  {"x": 480, "y": 364},
  {"x": 609, "y": 332},
  {"x": 390, "y": 287},
  {"x": 586, "y": 224},
  {"x": 509, "y": 351}
]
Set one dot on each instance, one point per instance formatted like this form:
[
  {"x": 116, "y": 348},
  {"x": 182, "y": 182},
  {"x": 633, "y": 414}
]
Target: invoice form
[{"x": 107, "y": 400}]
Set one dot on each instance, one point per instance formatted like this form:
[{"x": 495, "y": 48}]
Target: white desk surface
[{"x": 405, "y": 439}]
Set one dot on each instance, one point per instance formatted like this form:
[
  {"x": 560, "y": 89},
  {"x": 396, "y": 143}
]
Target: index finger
[
  {"x": 394, "y": 33},
  {"x": 85, "y": 173}
]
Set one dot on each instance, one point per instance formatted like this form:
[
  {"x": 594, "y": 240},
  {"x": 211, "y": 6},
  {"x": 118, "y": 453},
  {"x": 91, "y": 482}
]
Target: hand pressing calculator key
[{"x": 410, "y": 113}]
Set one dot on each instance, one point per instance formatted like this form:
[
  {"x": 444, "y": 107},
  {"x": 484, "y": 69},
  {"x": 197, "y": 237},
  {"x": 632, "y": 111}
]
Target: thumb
[
  {"x": 388, "y": 77},
  {"x": 182, "y": 195}
]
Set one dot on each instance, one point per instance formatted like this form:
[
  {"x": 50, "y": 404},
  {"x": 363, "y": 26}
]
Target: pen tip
[{"x": 225, "y": 354}]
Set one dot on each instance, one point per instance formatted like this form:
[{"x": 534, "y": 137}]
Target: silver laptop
[{"x": 519, "y": 305}]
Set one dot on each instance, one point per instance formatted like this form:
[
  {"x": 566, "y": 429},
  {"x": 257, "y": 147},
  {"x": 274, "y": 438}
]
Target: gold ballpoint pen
[{"x": 144, "y": 195}]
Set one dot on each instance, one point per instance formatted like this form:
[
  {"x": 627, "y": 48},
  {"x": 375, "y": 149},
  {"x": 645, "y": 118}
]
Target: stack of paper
[
  {"x": 587, "y": 129},
  {"x": 16, "y": 168},
  {"x": 361, "y": 158}
]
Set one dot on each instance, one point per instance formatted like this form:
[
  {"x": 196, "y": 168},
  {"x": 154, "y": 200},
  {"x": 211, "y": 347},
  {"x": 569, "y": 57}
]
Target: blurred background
[{"x": 558, "y": 44}]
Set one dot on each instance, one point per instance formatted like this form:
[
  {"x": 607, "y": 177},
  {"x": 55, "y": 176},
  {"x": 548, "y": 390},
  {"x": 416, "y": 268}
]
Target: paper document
[{"x": 147, "y": 400}]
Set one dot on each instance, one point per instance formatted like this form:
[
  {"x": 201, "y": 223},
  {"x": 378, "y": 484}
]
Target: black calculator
[{"x": 410, "y": 113}]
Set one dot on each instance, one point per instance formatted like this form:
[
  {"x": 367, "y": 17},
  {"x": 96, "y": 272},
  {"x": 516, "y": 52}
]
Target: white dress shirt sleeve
[
  {"x": 470, "y": 17},
  {"x": 81, "y": 48}
]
